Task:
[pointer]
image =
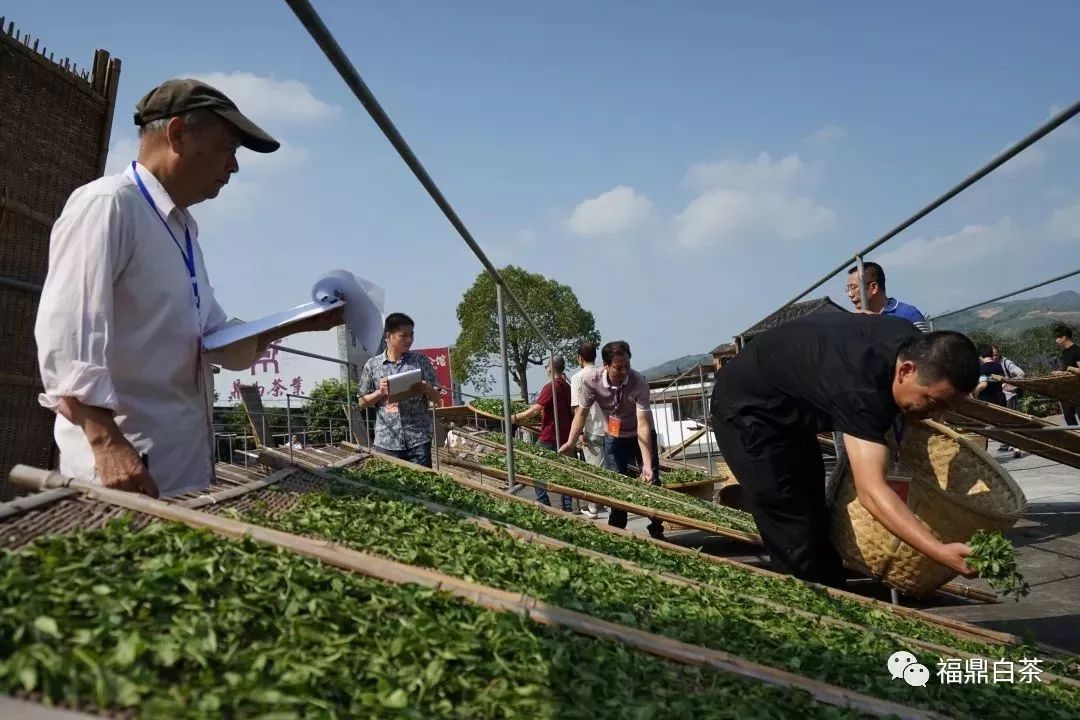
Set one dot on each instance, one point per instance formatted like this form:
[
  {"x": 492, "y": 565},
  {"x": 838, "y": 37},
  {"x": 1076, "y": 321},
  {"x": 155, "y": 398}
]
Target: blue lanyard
[{"x": 189, "y": 256}]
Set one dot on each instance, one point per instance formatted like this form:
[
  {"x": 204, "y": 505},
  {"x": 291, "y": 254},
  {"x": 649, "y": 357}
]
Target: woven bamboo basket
[{"x": 955, "y": 489}]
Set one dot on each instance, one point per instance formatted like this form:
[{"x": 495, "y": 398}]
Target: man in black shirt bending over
[
  {"x": 1070, "y": 357},
  {"x": 853, "y": 373}
]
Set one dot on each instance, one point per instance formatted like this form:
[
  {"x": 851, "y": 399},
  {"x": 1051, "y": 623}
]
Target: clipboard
[{"x": 398, "y": 386}]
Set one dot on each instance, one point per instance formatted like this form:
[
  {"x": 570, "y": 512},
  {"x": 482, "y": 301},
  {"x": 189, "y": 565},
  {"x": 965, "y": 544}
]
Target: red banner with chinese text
[{"x": 440, "y": 362}]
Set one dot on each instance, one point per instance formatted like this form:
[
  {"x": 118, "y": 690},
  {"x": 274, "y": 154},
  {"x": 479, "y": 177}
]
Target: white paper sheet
[{"x": 363, "y": 302}]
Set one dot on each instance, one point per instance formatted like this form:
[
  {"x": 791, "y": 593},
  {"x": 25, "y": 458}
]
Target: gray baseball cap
[{"x": 176, "y": 97}]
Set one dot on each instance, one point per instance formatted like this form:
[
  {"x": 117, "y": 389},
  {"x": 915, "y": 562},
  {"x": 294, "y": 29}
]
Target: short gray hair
[{"x": 192, "y": 117}]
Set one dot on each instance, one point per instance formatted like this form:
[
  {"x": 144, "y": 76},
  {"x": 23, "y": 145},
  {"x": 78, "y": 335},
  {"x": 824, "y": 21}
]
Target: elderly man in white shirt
[{"x": 127, "y": 301}]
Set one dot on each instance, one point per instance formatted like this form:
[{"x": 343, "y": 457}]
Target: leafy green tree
[
  {"x": 553, "y": 307},
  {"x": 325, "y": 404}
]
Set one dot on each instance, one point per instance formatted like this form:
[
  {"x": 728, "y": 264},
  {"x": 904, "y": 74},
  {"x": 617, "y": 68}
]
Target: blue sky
[{"x": 685, "y": 167}]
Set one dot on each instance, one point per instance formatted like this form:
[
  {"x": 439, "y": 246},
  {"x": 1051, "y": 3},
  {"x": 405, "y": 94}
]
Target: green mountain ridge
[
  {"x": 673, "y": 367},
  {"x": 1012, "y": 317},
  {"x": 1006, "y": 319}
]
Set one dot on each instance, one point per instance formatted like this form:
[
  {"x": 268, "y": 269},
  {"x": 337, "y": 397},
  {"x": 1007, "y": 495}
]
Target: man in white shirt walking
[
  {"x": 592, "y": 436},
  {"x": 127, "y": 301}
]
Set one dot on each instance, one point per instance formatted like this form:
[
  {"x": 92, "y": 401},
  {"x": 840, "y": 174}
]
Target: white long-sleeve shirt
[{"x": 117, "y": 328}]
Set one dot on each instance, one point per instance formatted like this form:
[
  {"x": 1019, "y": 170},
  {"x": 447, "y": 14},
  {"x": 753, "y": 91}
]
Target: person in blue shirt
[{"x": 878, "y": 300}]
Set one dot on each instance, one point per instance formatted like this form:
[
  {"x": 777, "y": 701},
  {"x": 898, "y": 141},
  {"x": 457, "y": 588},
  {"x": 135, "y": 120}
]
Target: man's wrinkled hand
[
  {"x": 647, "y": 474},
  {"x": 119, "y": 467}
]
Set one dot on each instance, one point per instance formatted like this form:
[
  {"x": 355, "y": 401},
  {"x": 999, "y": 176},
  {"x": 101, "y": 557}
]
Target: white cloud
[
  {"x": 827, "y": 136},
  {"x": 960, "y": 249},
  {"x": 759, "y": 174},
  {"x": 729, "y": 216},
  {"x": 1064, "y": 223},
  {"x": 267, "y": 100},
  {"x": 617, "y": 211},
  {"x": 750, "y": 201}
]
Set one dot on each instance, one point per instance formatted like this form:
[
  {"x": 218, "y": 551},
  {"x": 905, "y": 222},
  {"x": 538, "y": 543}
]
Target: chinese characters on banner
[
  {"x": 440, "y": 363},
  {"x": 275, "y": 387}
]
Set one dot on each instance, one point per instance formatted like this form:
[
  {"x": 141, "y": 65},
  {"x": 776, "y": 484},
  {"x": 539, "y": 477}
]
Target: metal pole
[
  {"x": 1008, "y": 295},
  {"x": 288, "y": 424},
  {"x": 435, "y": 436},
  {"x": 231, "y": 436},
  {"x": 864, "y": 301},
  {"x": 348, "y": 402},
  {"x": 245, "y": 451},
  {"x": 1042, "y": 131},
  {"x": 555, "y": 399},
  {"x": 337, "y": 57},
  {"x": 705, "y": 412},
  {"x": 510, "y": 474},
  {"x": 682, "y": 434},
  {"x": 304, "y": 353}
]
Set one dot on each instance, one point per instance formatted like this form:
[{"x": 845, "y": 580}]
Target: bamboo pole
[
  {"x": 531, "y": 427},
  {"x": 538, "y": 611},
  {"x": 21, "y": 505},
  {"x": 237, "y": 491},
  {"x": 614, "y": 503}
]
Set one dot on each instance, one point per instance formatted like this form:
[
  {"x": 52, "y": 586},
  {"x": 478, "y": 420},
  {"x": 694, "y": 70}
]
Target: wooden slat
[{"x": 676, "y": 449}]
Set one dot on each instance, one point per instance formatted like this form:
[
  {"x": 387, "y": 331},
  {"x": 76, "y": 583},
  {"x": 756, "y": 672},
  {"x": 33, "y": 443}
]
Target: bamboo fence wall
[{"x": 54, "y": 137}]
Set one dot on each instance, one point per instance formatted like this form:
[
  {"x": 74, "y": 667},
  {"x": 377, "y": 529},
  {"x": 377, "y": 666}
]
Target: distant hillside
[
  {"x": 1012, "y": 317},
  {"x": 673, "y": 367}
]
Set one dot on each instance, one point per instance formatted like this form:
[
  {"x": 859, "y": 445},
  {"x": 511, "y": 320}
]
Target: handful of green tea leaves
[{"x": 995, "y": 560}]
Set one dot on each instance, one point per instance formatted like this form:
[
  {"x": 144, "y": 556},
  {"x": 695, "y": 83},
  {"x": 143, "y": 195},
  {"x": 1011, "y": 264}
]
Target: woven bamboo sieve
[
  {"x": 956, "y": 489},
  {"x": 1065, "y": 387}
]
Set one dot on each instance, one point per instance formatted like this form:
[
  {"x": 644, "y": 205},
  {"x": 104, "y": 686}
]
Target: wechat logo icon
[{"x": 903, "y": 664}]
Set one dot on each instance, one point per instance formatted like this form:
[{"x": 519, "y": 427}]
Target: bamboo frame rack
[
  {"x": 958, "y": 628},
  {"x": 490, "y": 598}
]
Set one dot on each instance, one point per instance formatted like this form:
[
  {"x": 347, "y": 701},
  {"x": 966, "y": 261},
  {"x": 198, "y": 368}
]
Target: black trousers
[
  {"x": 618, "y": 454},
  {"x": 1069, "y": 411},
  {"x": 783, "y": 481}
]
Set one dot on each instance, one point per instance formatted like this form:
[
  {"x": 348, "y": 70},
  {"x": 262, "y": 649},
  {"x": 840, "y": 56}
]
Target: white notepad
[{"x": 400, "y": 384}]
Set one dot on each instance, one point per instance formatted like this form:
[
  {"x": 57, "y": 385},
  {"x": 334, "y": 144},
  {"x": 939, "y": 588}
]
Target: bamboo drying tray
[
  {"x": 658, "y": 491},
  {"x": 955, "y": 490},
  {"x": 1063, "y": 386},
  {"x": 461, "y": 477},
  {"x": 530, "y": 426},
  {"x": 91, "y": 506},
  {"x": 1060, "y": 446}
]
